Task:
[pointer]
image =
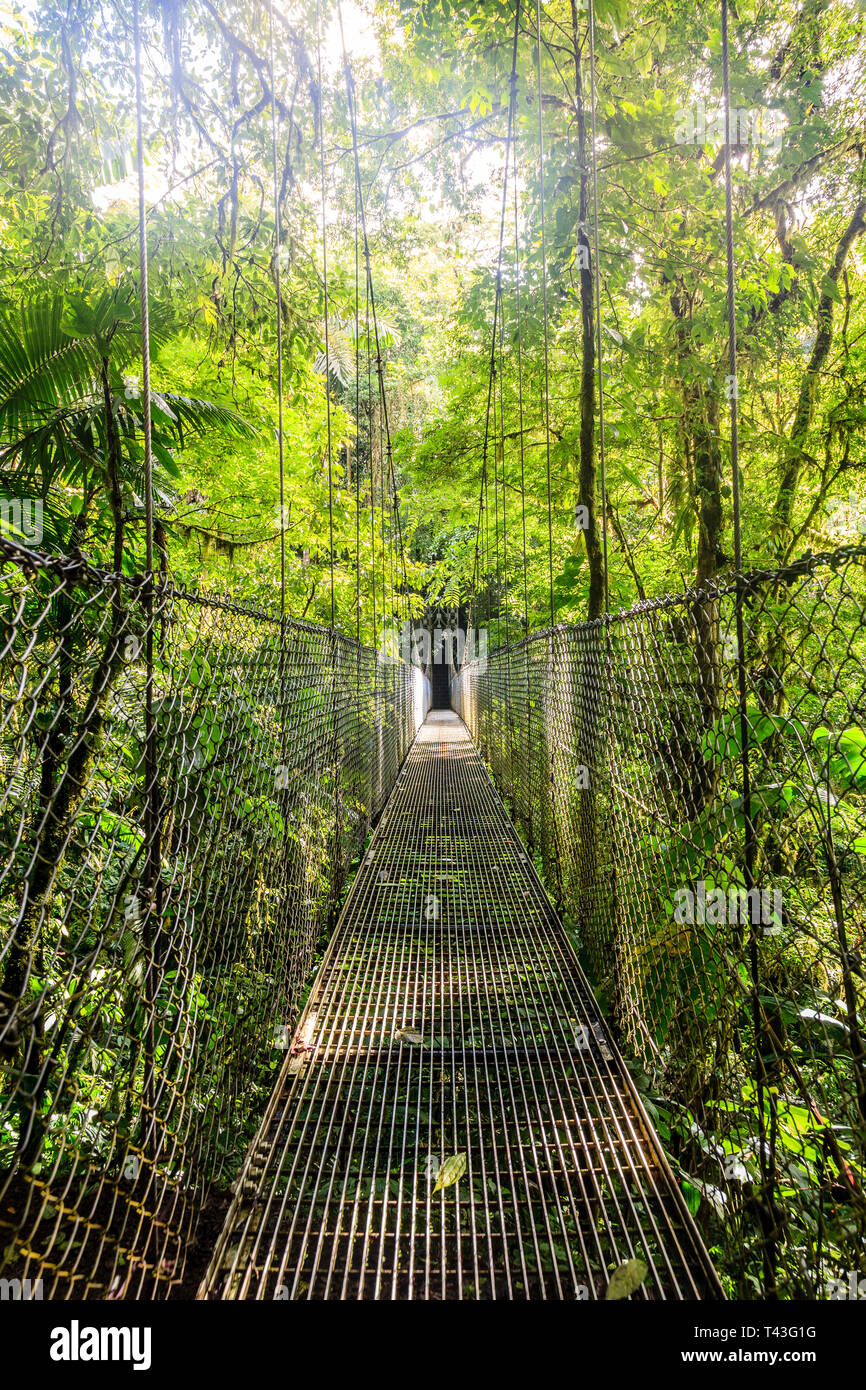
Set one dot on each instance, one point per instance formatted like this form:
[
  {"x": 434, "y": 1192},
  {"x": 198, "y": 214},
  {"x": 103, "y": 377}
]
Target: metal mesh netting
[
  {"x": 709, "y": 851},
  {"x": 169, "y": 861},
  {"x": 450, "y": 1024}
]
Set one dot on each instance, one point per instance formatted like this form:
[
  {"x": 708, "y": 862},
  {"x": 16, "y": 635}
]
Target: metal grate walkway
[{"x": 448, "y": 936}]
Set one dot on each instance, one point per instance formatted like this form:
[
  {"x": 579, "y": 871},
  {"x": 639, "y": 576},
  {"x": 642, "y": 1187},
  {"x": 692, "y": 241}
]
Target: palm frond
[
  {"x": 21, "y": 505},
  {"x": 341, "y": 355},
  {"x": 198, "y": 416},
  {"x": 56, "y": 449},
  {"x": 42, "y": 368}
]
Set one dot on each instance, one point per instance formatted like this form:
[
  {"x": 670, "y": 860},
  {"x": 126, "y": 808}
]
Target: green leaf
[
  {"x": 632, "y": 477},
  {"x": 692, "y": 1196},
  {"x": 830, "y": 288},
  {"x": 452, "y": 1171},
  {"x": 626, "y": 1279}
]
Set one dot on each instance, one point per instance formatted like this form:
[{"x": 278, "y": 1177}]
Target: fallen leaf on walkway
[
  {"x": 626, "y": 1279},
  {"x": 451, "y": 1171}
]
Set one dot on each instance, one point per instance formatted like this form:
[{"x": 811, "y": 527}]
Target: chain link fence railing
[
  {"x": 691, "y": 776},
  {"x": 182, "y": 797}
]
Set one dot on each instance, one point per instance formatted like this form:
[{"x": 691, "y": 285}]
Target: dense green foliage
[
  {"x": 432, "y": 116},
  {"x": 386, "y": 508}
]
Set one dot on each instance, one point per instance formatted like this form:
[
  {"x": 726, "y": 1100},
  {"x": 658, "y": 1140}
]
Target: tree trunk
[{"x": 783, "y": 512}]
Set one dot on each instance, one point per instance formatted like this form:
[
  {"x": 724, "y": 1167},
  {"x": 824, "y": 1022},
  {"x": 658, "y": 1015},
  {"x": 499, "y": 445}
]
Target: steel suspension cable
[
  {"x": 520, "y": 393},
  {"x": 508, "y": 710},
  {"x": 279, "y": 291},
  {"x": 594, "y": 172},
  {"x": 486, "y": 574},
  {"x": 325, "y": 292},
  {"x": 395, "y": 514},
  {"x": 730, "y": 294},
  {"x": 385, "y": 430},
  {"x": 357, "y": 183},
  {"x": 504, "y": 522},
  {"x": 143, "y": 290},
  {"x": 498, "y": 293},
  {"x": 357, "y": 428},
  {"x": 370, "y": 453},
  {"x": 750, "y": 839},
  {"x": 544, "y": 305},
  {"x": 496, "y": 505},
  {"x": 382, "y": 503},
  {"x": 387, "y": 572},
  {"x": 152, "y": 817},
  {"x": 384, "y": 422},
  {"x": 528, "y": 745}
]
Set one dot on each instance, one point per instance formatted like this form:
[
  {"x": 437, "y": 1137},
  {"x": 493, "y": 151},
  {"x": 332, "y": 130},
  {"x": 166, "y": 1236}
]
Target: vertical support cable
[
  {"x": 382, "y": 490},
  {"x": 603, "y": 685},
  {"x": 359, "y": 699},
  {"x": 392, "y": 552},
  {"x": 325, "y": 290},
  {"x": 528, "y": 749},
  {"x": 357, "y": 428},
  {"x": 504, "y": 495},
  {"x": 500, "y": 592},
  {"x": 385, "y": 450},
  {"x": 370, "y": 452},
  {"x": 152, "y": 883},
  {"x": 491, "y": 377},
  {"x": 601, "y": 439},
  {"x": 392, "y": 549},
  {"x": 544, "y": 304},
  {"x": 357, "y": 190},
  {"x": 281, "y": 445},
  {"x": 520, "y": 395},
  {"x": 375, "y": 722},
  {"x": 769, "y": 1243},
  {"x": 335, "y": 646},
  {"x": 143, "y": 296},
  {"x": 508, "y": 712},
  {"x": 732, "y": 325},
  {"x": 279, "y": 291}
]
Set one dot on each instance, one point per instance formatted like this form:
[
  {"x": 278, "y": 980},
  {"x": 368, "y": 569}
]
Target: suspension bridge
[
  {"x": 450, "y": 1016},
  {"x": 520, "y": 1068}
]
